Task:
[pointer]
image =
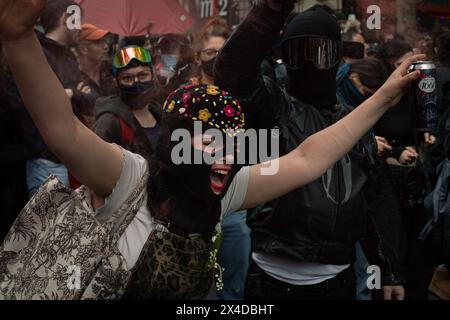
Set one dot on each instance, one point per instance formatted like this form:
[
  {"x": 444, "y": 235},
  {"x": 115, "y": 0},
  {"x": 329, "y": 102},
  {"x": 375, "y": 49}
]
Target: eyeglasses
[
  {"x": 129, "y": 79},
  {"x": 210, "y": 53},
  {"x": 128, "y": 54}
]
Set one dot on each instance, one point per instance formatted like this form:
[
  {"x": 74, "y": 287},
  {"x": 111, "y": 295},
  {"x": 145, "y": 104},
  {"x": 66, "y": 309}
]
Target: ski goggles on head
[
  {"x": 125, "y": 56},
  {"x": 323, "y": 52}
]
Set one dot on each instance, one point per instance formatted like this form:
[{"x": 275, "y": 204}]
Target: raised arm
[
  {"x": 238, "y": 66},
  {"x": 94, "y": 162},
  {"x": 320, "y": 151}
]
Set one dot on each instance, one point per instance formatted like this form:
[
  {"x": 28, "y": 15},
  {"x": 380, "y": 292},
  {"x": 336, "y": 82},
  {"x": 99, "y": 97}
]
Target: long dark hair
[{"x": 371, "y": 72}]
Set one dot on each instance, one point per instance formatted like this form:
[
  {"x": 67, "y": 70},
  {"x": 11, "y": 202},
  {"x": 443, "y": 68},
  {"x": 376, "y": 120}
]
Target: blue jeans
[
  {"x": 38, "y": 170},
  {"x": 361, "y": 265},
  {"x": 234, "y": 256}
]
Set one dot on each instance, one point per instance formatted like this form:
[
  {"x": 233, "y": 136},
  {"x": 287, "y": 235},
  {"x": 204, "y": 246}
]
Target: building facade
[
  {"x": 234, "y": 11},
  {"x": 430, "y": 14}
]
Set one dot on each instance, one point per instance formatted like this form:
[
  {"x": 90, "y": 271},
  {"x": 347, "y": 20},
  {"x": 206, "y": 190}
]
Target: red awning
[{"x": 131, "y": 17}]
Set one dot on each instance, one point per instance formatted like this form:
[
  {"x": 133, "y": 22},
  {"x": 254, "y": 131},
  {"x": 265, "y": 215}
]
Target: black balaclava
[
  {"x": 313, "y": 86},
  {"x": 181, "y": 195}
]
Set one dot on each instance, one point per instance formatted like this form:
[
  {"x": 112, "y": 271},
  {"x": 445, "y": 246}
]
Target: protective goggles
[
  {"x": 123, "y": 58},
  {"x": 324, "y": 53}
]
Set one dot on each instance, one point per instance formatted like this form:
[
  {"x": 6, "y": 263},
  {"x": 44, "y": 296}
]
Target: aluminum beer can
[{"x": 425, "y": 96}]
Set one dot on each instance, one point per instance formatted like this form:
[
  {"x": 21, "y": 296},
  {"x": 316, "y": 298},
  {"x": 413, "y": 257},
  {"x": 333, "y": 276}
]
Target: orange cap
[{"x": 91, "y": 32}]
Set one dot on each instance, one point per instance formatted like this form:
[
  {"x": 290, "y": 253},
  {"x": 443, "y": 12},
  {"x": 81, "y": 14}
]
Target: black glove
[{"x": 281, "y": 4}]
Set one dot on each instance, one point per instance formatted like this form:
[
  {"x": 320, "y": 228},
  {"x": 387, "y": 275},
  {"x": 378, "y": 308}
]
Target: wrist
[{"x": 381, "y": 100}]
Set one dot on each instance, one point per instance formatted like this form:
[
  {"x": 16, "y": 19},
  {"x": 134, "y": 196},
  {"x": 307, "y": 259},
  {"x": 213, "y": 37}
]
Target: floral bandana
[{"x": 209, "y": 104}]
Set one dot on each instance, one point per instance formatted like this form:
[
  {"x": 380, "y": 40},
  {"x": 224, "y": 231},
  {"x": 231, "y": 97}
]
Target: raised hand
[
  {"x": 397, "y": 84},
  {"x": 17, "y": 17},
  {"x": 285, "y": 2},
  {"x": 279, "y": 4}
]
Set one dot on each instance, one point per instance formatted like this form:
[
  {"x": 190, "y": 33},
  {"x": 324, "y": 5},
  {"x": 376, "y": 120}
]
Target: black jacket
[
  {"x": 13, "y": 189},
  {"x": 441, "y": 150},
  {"x": 108, "y": 110},
  {"x": 322, "y": 221},
  {"x": 64, "y": 64}
]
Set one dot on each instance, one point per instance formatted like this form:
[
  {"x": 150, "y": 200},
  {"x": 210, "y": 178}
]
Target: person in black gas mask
[
  {"x": 303, "y": 244},
  {"x": 131, "y": 119},
  {"x": 316, "y": 36}
]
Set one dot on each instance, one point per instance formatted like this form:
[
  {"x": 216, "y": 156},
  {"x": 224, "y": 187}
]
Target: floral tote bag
[{"x": 57, "y": 249}]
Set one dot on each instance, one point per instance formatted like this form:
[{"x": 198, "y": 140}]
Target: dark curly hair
[{"x": 214, "y": 27}]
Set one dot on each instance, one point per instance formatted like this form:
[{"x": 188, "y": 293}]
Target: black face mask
[
  {"x": 138, "y": 94},
  {"x": 309, "y": 84},
  {"x": 315, "y": 87},
  {"x": 208, "y": 67}
]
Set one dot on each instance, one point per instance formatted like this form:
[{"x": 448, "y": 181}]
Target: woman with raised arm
[{"x": 183, "y": 202}]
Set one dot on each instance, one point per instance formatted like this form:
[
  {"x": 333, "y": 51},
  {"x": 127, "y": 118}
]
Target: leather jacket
[{"x": 323, "y": 221}]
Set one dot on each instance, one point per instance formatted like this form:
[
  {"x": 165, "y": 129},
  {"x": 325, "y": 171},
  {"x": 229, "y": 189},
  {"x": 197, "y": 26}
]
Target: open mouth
[{"x": 219, "y": 177}]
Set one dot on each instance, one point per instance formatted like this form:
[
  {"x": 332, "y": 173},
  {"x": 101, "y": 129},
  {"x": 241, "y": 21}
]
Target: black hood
[{"x": 316, "y": 87}]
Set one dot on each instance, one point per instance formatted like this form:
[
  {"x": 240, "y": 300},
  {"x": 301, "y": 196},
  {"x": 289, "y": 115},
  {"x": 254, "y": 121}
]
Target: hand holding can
[{"x": 425, "y": 96}]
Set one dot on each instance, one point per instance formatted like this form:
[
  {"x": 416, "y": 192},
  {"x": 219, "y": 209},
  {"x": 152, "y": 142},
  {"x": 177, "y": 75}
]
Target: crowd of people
[{"x": 88, "y": 178}]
